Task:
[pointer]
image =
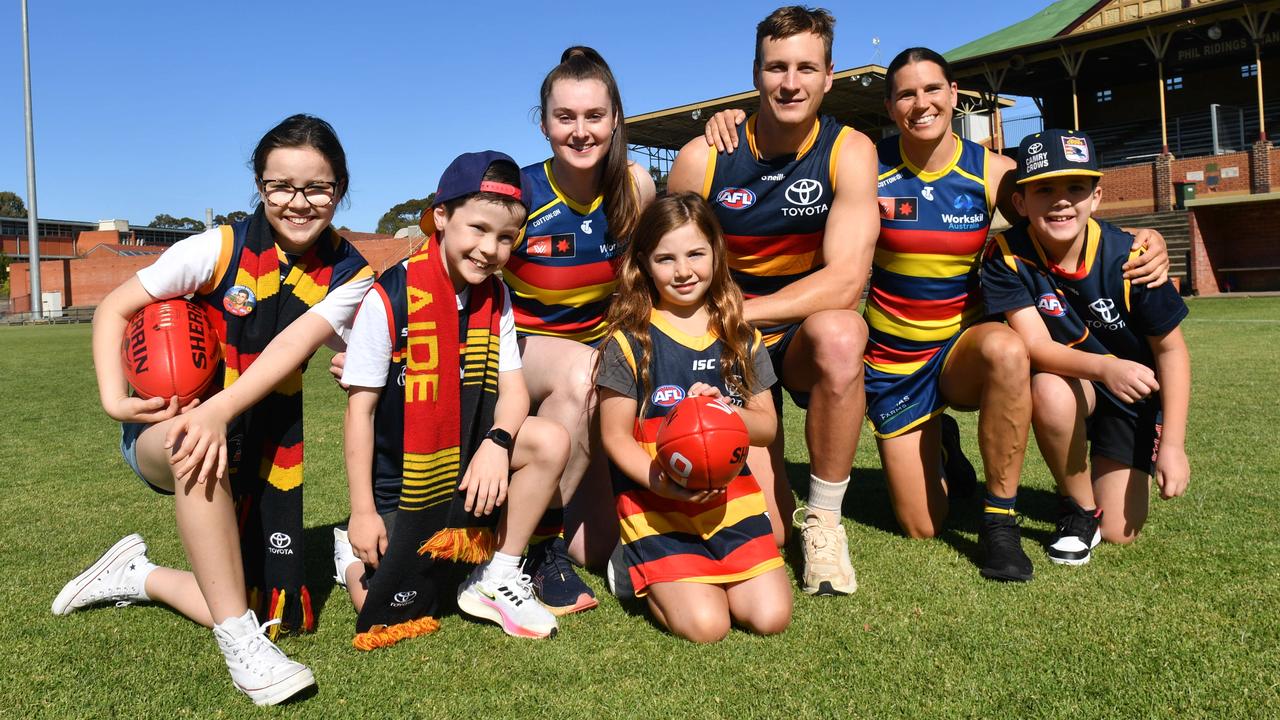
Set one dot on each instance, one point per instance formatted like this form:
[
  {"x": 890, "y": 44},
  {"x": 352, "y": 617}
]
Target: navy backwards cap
[
  {"x": 1056, "y": 153},
  {"x": 465, "y": 176}
]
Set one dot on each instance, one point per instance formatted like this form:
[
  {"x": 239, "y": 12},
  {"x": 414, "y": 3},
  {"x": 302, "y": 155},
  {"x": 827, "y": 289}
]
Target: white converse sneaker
[
  {"x": 507, "y": 601},
  {"x": 343, "y": 556},
  {"x": 118, "y": 576},
  {"x": 827, "y": 570},
  {"x": 258, "y": 668}
]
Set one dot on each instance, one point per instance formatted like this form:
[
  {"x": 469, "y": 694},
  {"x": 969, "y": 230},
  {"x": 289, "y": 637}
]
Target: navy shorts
[
  {"x": 899, "y": 403},
  {"x": 777, "y": 352},
  {"x": 1129, "y": 435},
  {"x": 129, "y": 433}
]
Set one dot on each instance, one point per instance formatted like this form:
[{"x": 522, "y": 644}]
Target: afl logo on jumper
[
  {"x": 736, "y": 198},
  {"x": 401, "y": 599},
  {"x": 804, "y": 192},
  {"x": 1050, "y": 305},
  {"x": 668, "y": 395}
]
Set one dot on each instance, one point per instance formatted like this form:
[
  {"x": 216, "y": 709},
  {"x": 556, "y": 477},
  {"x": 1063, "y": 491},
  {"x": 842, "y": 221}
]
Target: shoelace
[
  {"x": 1075, "y": 524},
  {"x": 517, "y": 589},
  {"x": 822, "y": 540},
  {"x": 100, "y": 592},
  {"x": 248, "y": 649},
  {"x": 1009, "y": 530},
  {"x": 556, "y": 561}
]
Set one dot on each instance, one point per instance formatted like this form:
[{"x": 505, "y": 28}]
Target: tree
[
  {"x": 231, "y": 217},
  {"x": 11, "y": 205},
  {"x": 404, "y": 214},
  {"x": 168, "y": 221}
]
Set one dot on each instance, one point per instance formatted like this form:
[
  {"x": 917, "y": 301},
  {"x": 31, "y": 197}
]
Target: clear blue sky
[{"x": 146, "y": 107}]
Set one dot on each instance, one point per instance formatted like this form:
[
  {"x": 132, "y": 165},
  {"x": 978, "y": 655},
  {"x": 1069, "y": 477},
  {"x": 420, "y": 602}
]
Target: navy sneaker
[
  {"x": 962, "y": 479},
  {"x": 554, "y": 580},
  {"x": 1002, "y": 556}
]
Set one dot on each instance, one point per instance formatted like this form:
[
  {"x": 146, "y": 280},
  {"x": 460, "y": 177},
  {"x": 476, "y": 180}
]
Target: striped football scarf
[
  {"x": 265, "y": 442},
  {"x": 445, "y": 419}
]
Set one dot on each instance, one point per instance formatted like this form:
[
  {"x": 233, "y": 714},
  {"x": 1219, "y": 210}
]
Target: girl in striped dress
[{"x": 702, "y": 560}]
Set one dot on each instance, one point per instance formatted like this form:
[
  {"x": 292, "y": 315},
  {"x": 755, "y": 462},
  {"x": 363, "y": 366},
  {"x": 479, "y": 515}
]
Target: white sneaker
[
  {"x": 507, "y": 601},
  {"x": 827, "y": 570},
  {"x": 118, "y": 576},
  {"x": 619, "y": 576},
  {"x": 258, "y": 668},
  {"x": 343, "y": 556}
]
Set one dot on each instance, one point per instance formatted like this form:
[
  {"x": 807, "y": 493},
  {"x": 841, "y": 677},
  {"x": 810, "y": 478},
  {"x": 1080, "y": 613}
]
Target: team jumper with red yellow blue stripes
[
  {"x": 924, "y": 288},
  {"x": 774, "y": 212},
  {"x": 562, "y": 270}
]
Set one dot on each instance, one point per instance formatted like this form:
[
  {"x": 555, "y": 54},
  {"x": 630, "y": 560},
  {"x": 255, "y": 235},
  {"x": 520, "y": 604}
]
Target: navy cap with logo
[
  {"x": 1056, "y": 153},
  {"x": 465, "y": 176}
]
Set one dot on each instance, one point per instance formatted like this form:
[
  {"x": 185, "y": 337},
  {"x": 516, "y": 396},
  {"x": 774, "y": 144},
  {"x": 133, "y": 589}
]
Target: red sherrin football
[
  {"x": 702, "y": 443},
  {"x": 170, "y": 348}
]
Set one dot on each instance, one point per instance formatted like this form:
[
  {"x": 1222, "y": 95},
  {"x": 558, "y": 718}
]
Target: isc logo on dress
[
  {"x": 736, "y": 198},
  {"x": 668, "y": 395}
]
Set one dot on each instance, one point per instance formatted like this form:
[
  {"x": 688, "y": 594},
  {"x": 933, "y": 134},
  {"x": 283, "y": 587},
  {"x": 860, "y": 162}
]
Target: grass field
[{"x": 1186, "y": 622}]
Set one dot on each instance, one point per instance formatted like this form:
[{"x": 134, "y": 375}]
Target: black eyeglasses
[{"x": 279, "y": 193}]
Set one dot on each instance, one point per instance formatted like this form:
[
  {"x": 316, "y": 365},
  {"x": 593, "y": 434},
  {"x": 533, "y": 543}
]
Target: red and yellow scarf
[
  {"x": 446, "y": 413},
  {"x": 264, "y": 444}
]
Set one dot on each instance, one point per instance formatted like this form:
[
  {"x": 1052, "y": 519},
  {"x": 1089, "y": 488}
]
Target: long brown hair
[
  {"x": 630, "y": 309},
  {"x": 621, "y": 199}
]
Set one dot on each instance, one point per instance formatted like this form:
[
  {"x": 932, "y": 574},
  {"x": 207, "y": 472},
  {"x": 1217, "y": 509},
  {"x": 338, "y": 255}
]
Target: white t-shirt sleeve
[
  {"x": 508, "y": 349},
  {"x": 184, "y": 267},
  {"x": 369, "y": 347},
  {"x": 340, "y": 305}
]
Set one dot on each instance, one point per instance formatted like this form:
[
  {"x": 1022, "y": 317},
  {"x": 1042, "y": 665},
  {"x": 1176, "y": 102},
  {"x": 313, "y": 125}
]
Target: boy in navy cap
[
  {"x": 440, "y": 450},
  {"x": 1109, "y": 361}
]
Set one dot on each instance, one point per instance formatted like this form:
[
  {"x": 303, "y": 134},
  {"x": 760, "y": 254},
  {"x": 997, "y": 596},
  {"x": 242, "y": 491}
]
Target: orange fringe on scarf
[
  {"x": 468, "y": 545},
  {"x": 387, "y": 635}
]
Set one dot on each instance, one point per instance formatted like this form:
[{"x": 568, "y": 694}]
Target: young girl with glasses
[{"x": 276, "y": 286}]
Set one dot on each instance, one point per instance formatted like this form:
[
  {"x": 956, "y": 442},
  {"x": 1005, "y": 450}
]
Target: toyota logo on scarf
[
  {"x": 280, "y": 543},
  {"x": 404, "y": 598}
]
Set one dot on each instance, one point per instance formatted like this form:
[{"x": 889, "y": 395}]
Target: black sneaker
[
  {"x": 1077, "y": 534},
  {"x": 554, "y": 580},
  {"x": 1002, "y": 556},
  {"x": 962, "y": 479}
]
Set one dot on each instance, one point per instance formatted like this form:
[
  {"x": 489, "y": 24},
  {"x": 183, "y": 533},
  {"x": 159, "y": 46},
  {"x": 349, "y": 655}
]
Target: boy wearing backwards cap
[
  {"x": 1110, "y": 362},
  {"x": 439, "y": 444}
]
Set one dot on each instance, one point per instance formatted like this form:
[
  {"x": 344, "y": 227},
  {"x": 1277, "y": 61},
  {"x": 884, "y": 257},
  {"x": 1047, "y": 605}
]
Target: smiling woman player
[
  {"x": 586, "y": 199},
  {"x": 276, "y": 285}
]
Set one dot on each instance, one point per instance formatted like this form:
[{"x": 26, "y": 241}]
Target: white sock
[
  {"x": 503, "y": 565},
  {"x": 825, "y": 495}
]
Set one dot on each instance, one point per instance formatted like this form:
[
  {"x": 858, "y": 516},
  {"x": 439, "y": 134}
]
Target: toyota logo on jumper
[
  {"x": 805, "y": 191},
  {"x": 404, "y": 598},
  {"x": 1106, "y": 309}
]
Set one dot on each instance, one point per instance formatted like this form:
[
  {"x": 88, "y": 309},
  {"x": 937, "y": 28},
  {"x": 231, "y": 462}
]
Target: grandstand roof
[{"x": 1047, "y": 23}]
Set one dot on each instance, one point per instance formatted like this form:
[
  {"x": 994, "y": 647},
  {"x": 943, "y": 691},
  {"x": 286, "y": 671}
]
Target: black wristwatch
[{"x": 501, "y": 438}]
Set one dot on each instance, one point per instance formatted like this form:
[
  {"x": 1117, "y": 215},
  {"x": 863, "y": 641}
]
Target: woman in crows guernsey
[
  {"x": 233, "y": 460},
  {"x": 562, "y": 273}
]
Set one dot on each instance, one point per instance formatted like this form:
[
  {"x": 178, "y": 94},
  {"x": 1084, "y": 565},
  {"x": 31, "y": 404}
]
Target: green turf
[{"x": 1184, "y": 623}]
